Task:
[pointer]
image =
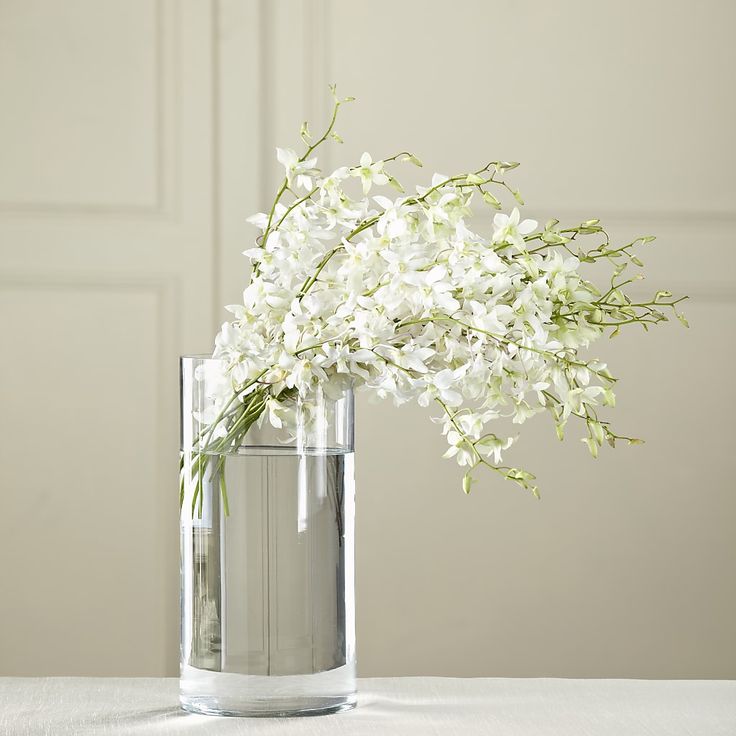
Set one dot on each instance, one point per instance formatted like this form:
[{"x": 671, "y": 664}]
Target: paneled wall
[
  {"x": 107, "y": 274},
  {"x": 135, "y": 139}
]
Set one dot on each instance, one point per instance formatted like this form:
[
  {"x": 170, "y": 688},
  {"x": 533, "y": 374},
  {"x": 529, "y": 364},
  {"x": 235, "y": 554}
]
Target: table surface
[{"x": 61, "y": 706}]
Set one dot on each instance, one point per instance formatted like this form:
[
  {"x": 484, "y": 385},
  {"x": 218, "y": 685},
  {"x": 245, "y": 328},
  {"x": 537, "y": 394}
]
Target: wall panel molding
[
  {"x": 166, "y": 291},
  {"x": 166, "y": 75}
]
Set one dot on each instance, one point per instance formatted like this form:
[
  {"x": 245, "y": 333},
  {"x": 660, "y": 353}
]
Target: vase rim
[{"x": 198, "y": 356}]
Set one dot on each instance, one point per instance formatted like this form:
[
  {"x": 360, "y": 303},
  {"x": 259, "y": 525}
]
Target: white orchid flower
[
  {"x": 370, "y": 172},
  {"x": 298, "y": 173},
  {"x": 508, "y": 229}
]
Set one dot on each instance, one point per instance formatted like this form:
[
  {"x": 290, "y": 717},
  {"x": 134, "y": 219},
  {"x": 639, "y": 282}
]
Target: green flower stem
[
  {"x": 201, "y": 460},
  {"x": 307, "y": 285},
  {"x": 285, "y": 184},
  {"x": 267, "y": 231},
  {"x": 236, "y": 395},
  {"x": 326, "y": 134},
  {"x": 507, "y": 341},
  {"x": 388, "y": 361},
  {"x": 223, "y": 487},
  {"x": 293, "y": 206},
  {"x": 506, "y": 471},
  {"x": 396, "y": 155},
  {"x": 242, "y": 425},
  {"x": 315, "y": 346},
  {"x": 202, "y": 457}
]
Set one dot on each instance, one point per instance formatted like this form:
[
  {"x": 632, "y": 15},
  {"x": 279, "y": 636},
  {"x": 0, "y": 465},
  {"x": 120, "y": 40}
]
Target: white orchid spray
[{"x": 399, "y": 296}]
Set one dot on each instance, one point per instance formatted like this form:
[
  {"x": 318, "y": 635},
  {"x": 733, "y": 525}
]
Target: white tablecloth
[{"x": 409, "y": 706}]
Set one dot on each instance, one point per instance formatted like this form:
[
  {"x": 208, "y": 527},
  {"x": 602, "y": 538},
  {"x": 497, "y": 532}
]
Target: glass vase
[{"x": 267, "y": 566}]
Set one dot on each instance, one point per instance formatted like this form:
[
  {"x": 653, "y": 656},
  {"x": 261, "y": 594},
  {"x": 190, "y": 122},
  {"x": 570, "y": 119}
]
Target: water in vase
[{"x": 267, "y": 591}]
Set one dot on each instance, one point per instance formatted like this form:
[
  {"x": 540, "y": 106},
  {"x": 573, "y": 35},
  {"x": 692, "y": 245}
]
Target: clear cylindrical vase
[{"x": 267, "y": 567}]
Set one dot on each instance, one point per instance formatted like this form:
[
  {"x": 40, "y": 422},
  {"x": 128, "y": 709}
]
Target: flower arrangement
[{"x": 399, "y": 296}]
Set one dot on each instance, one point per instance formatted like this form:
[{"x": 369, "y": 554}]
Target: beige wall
[{"x": 136, "y": 136}]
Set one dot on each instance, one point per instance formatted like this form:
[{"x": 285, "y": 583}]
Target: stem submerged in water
[{"x": 212, "y": 453}]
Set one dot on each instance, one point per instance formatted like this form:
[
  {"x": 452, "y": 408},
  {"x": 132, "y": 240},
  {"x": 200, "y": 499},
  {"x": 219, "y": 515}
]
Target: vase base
[
  {"x": 278, "y": 696},
  {"x": 209, "y": 706}
]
